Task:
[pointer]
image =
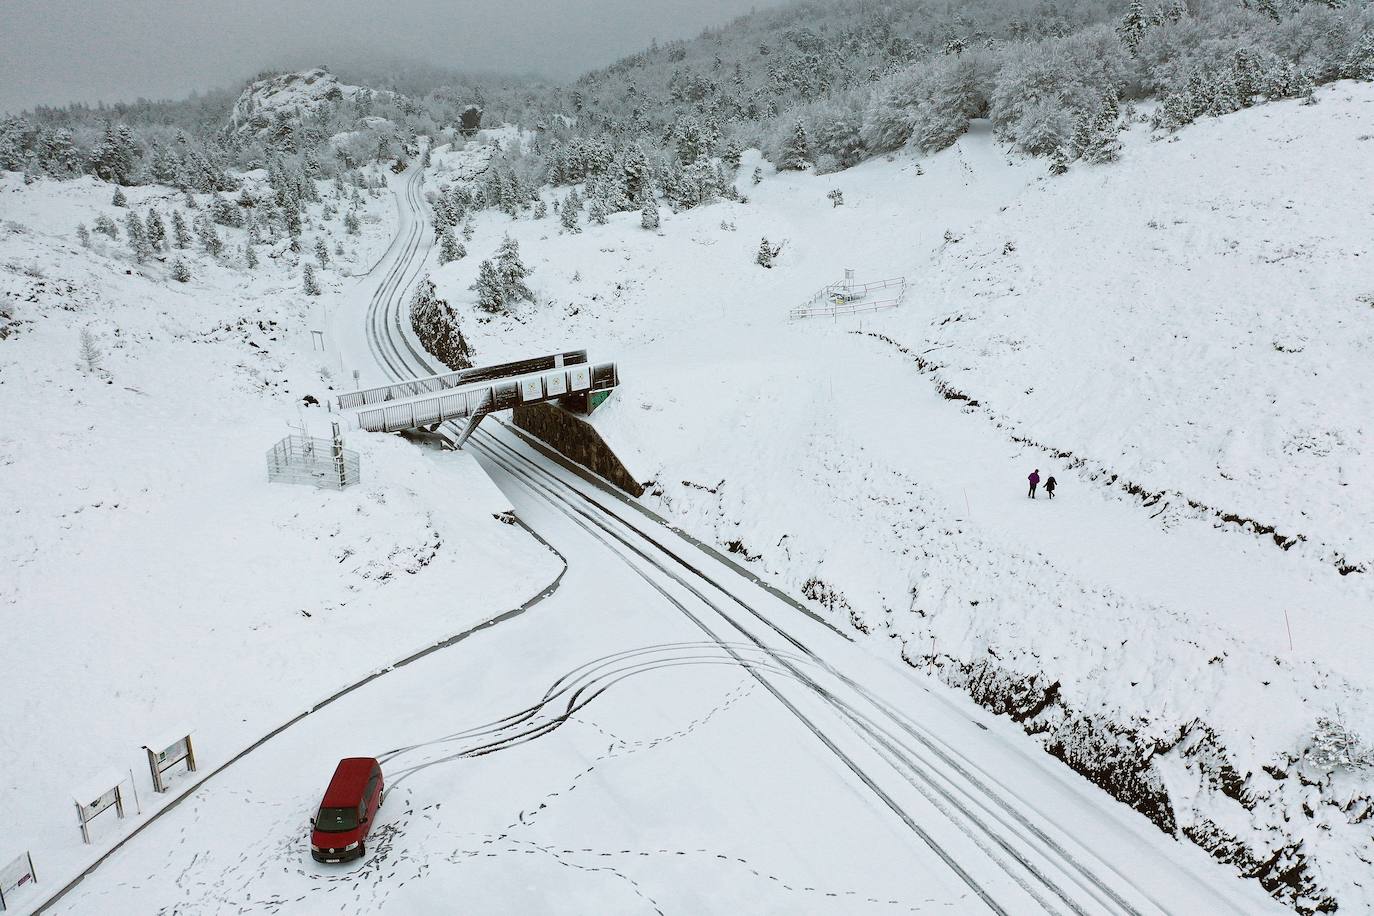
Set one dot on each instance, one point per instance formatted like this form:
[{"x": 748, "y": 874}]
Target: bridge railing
[
  {"x": 483, "y": 397},
  {"x": 432, "y": 384}
]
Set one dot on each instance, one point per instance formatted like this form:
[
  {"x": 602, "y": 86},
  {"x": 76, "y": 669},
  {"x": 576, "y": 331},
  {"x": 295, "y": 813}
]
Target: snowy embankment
[
  {"x": 1189, "y": 319},
  {"x": 154, "y": 581}
]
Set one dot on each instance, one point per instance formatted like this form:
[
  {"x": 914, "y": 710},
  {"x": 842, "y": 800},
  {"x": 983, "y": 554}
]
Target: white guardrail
[
  {"x": 486, "y": 396},
  {"x": 845, "y": 298}
]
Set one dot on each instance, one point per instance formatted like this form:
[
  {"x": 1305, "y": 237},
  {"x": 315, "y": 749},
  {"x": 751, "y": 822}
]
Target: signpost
[
  {"x": 162, "y": 758},
  {"x": 105, "y": 793},
  {"x": 18, "y": 873}
]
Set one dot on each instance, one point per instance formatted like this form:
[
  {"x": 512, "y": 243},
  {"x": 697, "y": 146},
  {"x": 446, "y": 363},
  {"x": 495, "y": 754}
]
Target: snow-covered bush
[
  {"x": 766, "y": 253},
  {"x": 1334, "y": 747},
  {"x": 106, "y": 226},
  {"x": 648, "y": 214}
]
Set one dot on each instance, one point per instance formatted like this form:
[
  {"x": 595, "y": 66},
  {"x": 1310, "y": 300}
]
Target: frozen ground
[
  {"x": 154, "y": 581},
  {"x": 1145, "y": 639}
]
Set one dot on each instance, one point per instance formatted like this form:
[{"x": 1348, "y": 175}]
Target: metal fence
[
  {"x": 318, "y": 462},
  {"x": 849, "y": 298}
]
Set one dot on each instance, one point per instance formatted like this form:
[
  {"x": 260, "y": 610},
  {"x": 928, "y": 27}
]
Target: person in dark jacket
[
  {"x": 1034, "y": 479},
  {"x": 1050, "y": 485}
]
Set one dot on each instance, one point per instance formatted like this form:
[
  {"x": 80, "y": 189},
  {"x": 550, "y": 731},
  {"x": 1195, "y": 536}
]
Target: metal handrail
[
  {"x": 447, "y": 380},
  {"x": 457, "y": 404}
]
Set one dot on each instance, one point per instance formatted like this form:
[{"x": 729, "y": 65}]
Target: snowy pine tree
[
  {"x": 836, "y": 197},
  {"x": 567, "y": 216},
  {"x": 468, "y": 230},
  {"x": 250, "y": 257},
  {"x": 796, "y": 155},
  {"x": 291, "y": 220},
  {"x": 541, "y": 209},
  {"x": 210, "y": 242},
  {"x": 321, "y": 252},
  {"x": 308, "y": 281},
  {"x": 1360, "y": 64},
  {"x": 180, "y": 272},
  {"x": 1095, "y": 132},
  {"x": 119, "y": 200},
  {"x": 137, "y": 238},
  {"x": 732, "y": 153},
  {"x": 488, "y": 286},
  {"x": 766, "y": 254},
  {"x": 597, "y": 211},
  {"x": 351, "y": 224},
  {"x": 106, "y": 226},
  {"x": 180, "y": 237},
  {"x": 450, "y": 249},
  {"x": 1132, "y": 26},
  {"x": 83, "y": 235},
  {"x": 1059, "y": 162},
  {"x": 156, "y": 229},
  {"x": 512, "y": 272},
  {"x": 648, "y": 213}
]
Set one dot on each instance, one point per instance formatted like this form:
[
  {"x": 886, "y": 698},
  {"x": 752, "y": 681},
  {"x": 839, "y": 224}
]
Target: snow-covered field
[
  {"x": 154, "y": 582},
  {"x": 1182, "y": 338},
  {"x": 1192, "y": 320}
]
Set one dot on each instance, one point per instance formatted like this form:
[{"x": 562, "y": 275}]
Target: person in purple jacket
[{"x": 1034, "y": 479}]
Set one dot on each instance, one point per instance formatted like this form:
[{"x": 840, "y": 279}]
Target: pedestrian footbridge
[{"x": 471, "y": 394}]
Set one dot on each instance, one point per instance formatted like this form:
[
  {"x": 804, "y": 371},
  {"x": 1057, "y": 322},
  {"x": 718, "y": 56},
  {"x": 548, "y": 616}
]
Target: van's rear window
[{"x": 336, "y": 820}]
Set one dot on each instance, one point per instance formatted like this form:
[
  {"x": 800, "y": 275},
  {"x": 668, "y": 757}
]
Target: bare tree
[{"x": 91, "y": 354}]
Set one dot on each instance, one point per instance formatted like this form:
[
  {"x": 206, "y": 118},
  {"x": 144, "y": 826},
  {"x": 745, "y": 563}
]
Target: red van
[{"x": 345, "y": 816}]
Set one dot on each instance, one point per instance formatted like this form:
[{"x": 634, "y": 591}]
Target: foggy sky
[{"x": 57, "y": 51}]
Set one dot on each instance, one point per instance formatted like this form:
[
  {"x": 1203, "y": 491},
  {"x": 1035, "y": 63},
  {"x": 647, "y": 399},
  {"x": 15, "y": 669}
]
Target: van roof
[{"x": 346, "y": 786}]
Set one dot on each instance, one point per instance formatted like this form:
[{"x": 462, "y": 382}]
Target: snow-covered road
[{"x": 663, "y": 734}]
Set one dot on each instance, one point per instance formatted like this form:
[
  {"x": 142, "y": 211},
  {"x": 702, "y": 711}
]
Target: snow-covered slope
[
  {"x": 877, "y": 465},
  {"x": 1215, "y": 337},
  {"x": 154, "y": 581}
]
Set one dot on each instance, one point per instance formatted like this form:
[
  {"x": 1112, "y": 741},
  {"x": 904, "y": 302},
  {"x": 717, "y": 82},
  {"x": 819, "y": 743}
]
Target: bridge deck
[
  {"x": 432, "y": 384},
  {"x": 425, "y": 410}
]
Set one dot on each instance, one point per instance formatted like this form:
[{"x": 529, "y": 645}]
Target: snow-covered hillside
[
  {"x": 1219, "y": 346},
  {"x": 1191, "y": 320},
  {"x": 154, "y": 581}
]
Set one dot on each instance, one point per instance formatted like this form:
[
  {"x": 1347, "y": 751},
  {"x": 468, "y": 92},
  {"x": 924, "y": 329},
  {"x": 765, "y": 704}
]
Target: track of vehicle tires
[{"x": 1031, "y": 851}]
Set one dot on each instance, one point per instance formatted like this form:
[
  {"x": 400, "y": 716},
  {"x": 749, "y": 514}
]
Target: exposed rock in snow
[{"x": 290, "y": 94}]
